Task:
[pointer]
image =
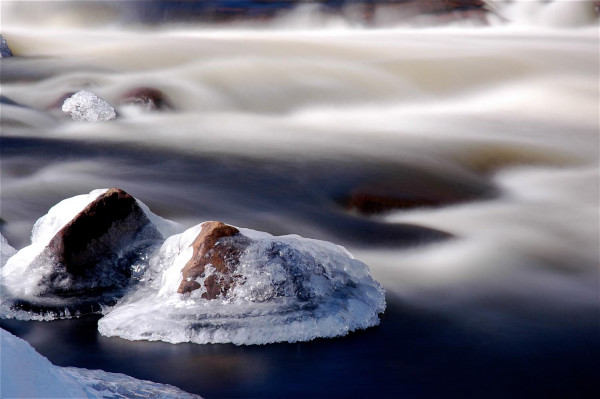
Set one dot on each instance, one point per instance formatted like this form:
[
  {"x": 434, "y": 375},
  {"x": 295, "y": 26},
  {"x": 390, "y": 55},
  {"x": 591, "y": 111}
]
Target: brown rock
[
  {"x": 89, "y": 246},
  {"x": 148, "y": 97},
  {"x": 415, "y": 189},
  {"x": 212, "y": 248}
]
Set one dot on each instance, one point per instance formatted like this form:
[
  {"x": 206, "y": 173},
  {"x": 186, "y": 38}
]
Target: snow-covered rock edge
[{"x": 27, "y": 374}]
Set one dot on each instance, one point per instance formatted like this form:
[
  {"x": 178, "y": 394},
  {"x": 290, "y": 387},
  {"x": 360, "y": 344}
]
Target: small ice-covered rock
[
  {"x": 86, "y": 106},
  {"x": 27, "y": 374},
  {"x": 285, "y": 288},
  {"x": 85, "y": 251}
]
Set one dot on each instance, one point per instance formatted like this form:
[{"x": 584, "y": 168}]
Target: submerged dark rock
[
  {"x": 215, "y": 246},
  {"x": 148, "y": 97},
  {"x": 95, "y": 249},
  {"x": 414, "y": 190},
  {"x": 425, "y": 12},
  {"x": 5, "y": 51}
]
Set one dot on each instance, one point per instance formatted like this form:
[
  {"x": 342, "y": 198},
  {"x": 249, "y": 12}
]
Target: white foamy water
[{"x": 514, "y": 104}]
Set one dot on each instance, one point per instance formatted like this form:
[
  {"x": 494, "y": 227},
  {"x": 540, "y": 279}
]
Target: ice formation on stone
[
  {"x": 286, "y": 288},
  {"x": 27, "y": 374},
  {"x": 24, "y": 274},
  {"x": 86, "y": 106}
]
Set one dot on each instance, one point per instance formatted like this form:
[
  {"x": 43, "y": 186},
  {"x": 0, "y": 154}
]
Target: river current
[{"x": 490, "y": 135}]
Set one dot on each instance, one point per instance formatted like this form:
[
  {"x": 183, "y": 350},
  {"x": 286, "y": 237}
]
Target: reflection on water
[{"x": 485, "y": 142}]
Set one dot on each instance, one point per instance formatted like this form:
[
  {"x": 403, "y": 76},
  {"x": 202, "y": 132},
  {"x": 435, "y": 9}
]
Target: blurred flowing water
[{"x": 493, "y": 281}]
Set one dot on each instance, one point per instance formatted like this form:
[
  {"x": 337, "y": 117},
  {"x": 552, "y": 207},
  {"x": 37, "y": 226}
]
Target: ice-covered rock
[
  {"x": 84, "y": 252},
  {"x": 86, "y": 106},
  {"x": 27, "y": 374},
  {"x": 4, "y": 49},
  {"x": 284, "y": 288}
]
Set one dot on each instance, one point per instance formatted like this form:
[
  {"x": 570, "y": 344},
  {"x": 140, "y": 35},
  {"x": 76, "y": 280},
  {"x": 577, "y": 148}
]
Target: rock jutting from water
[
  {"x": 86, "y": 106},
  {"x": 87, "y": 246},
  {"x": 86, "y": 249},
  {"x": 265, "y": 289},
  {"x": 214, "y": 283}
]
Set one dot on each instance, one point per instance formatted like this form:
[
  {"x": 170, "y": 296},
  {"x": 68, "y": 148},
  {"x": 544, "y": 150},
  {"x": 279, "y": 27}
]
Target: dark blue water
[{"x": 412, "y": 354}]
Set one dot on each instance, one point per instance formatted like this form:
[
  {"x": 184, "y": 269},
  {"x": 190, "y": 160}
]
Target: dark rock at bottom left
[{"x": 85, "y": 252}]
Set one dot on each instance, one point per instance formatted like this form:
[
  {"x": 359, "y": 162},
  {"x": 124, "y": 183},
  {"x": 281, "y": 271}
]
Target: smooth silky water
[{"x": 492, "y": 285}]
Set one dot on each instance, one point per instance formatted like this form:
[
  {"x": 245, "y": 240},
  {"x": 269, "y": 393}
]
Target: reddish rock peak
[
  {"x": 223, "y": 258},
  {"x": 210, "y": 234}
]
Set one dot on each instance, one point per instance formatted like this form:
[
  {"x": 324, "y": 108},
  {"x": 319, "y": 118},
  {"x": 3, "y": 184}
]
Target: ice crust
[
  {"x": 86, "y": 106},
  {"x": 23, "y": 271},
  {"x": 286, "y": 288},
  {"x": 27, "y": 374}
]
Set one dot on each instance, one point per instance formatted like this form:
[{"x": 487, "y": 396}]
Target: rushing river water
[{"x": 490, "y": 136}]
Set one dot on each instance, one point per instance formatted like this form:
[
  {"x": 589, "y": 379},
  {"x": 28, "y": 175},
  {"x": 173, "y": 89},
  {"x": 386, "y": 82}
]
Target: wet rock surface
[{"x": 216, "y": 254}]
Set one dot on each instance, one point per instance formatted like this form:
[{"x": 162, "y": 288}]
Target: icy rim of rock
[
  {"x": 86, "y": 106},
  {"x": 21, "y": 276},
  {"x": 26, "y": 373},
  {"x": 288, "y": 288}
]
